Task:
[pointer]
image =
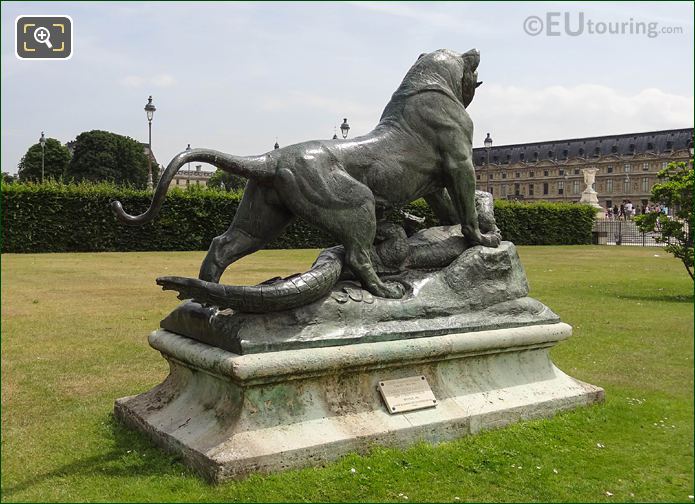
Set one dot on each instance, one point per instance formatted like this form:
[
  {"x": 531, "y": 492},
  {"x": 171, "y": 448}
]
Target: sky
[{"x": 237, "y": 76}]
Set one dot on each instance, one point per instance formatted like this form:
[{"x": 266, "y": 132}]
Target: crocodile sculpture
[{"x": 431, "y": 248}]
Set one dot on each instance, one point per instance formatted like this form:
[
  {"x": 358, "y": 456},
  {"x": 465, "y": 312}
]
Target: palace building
[{"x": 552, "y": 171}]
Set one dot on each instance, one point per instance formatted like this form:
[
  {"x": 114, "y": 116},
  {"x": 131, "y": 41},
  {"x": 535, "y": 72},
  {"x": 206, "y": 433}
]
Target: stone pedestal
[{"x": 228, "y": 415}]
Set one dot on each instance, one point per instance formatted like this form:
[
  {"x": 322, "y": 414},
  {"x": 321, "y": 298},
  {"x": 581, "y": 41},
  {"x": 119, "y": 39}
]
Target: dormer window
[
  {"x": 522, "y": 156},
  {"x": 669, "y": 145},
  {"x": 581, "y": 151},
  {"x": 650, "y": 146},
  {"x": 550, "y": 154},
  {"x": 565, "y": 152},
  {"x": 597, "y": 151},
  {"x": 614, "y": 149},
  {"x": 535, "y": 156},
  {"x": 632, "y": 147}
]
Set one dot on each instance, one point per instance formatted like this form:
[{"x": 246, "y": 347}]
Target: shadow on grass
[
  {"x": 660, "y": 298},
  {"x": 133, "y": 455}
]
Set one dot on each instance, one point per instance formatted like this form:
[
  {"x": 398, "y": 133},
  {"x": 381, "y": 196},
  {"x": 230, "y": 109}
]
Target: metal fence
[{"x": 622, "y": 232}]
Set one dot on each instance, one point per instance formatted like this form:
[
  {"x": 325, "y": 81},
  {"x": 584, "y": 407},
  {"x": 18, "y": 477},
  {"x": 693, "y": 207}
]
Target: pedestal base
[{"x": 228, "y": 415}]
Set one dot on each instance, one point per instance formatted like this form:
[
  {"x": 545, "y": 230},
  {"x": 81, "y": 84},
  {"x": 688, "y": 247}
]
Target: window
[
  {"x": 626, "y": 185},
  {"x": 609, "y": 169},
  {"x": 517, "y": 174},
  {"x": 561, "y": 187},
  {"x": 664, "y": 165},
  {"x": 504, "y": 190},
  {"x": 645, "y": 166},
  {"x": 530, "y": 189},
  {"x": 561, "y": 172},
  {"x": 530, "y": 174},
  {"x": 517, "y": 189},
  {"x": 545, "y": 188},
  {"x": 545, "y": 173},
  {"x": 491, "y": 176},
  {"x": 645, "y": 184},
  {"x": 609, "y": 185},
  {"x": 609, "y": 203},
  {"x": 522, "y": 156},
  {"x": 504, "y": 175},
  {"x": 575, "y": 187},
  {"x": 490, "y": 190},
  {"x": 576, "y": 171},
  {"x": 477, "y": 176},
  {"x": 627, "y": 167}
]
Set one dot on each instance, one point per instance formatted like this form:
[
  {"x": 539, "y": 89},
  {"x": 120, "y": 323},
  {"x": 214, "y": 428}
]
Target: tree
[
  {"x": 675, "y": 192},
  {"x": 8, "y": 178},
  {"x": 226, "y": 180},
  {"x": 57, "y": 158},
  {"x": 105, "y": 156}
]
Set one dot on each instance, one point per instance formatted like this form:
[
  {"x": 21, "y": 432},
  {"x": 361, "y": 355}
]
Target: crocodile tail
[
  {"x": 249, "y": 167},
  {"x": 291, "y": 292}
]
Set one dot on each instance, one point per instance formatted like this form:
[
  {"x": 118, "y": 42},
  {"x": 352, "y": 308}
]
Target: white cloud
[
  {"x": 427, "y": 15},
  {"x": 136, "y": 81},
  {"x": 517, "y": 115}
]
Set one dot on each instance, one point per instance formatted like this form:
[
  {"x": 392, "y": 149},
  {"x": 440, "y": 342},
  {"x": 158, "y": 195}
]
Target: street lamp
[
  {"x": 42, "y": 141},
  {"x": 344, "y": 128},
  {"x": 488, "y": 146},
  {"x": 149, "y": 109},
  {"x": 188, "y": 149}
]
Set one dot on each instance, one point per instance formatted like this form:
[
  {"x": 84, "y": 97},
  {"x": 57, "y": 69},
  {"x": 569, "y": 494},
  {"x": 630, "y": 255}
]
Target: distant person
[
  {"x": 609, "y": 212},
  {"x": 616, "y": 215},
  {"x": 621, "y": 215}
]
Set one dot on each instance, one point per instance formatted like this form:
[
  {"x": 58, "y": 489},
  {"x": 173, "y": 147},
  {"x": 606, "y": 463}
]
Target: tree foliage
[
  {"x": 57, "y": 158},
  {"x": 102, "y": 156},
  {"x": 676, "y": 192},
  {"x": 227, "y": 181}
]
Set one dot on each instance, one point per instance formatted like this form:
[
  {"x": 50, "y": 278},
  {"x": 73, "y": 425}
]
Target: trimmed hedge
[{"x": 56, "y": 217}]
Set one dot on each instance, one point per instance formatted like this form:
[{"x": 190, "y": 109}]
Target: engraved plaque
[{"x": 407, "y": 394}]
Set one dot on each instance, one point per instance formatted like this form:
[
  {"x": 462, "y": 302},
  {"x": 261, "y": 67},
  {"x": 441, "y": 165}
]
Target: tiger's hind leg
[
  {"x": 256, "y": 222},
  {"x": 343, "y": 207}
]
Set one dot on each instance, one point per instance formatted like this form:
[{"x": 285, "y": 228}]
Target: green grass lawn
[{"x": 74, "y": 330}]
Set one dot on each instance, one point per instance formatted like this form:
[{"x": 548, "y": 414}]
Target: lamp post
[
  {"x": 344, "y": 128},
  {"x": 188, "y": 149},
  {"x": 488, "y": 145},
  {"x": 42, "y": 141},
  {"x": 149, "y": 109}
]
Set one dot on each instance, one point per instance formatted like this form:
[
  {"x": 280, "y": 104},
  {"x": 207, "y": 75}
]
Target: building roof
[{"x": 628, "y": 143}]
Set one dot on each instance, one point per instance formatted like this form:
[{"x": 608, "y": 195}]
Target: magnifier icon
[{"x": 43, "y": 36}]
